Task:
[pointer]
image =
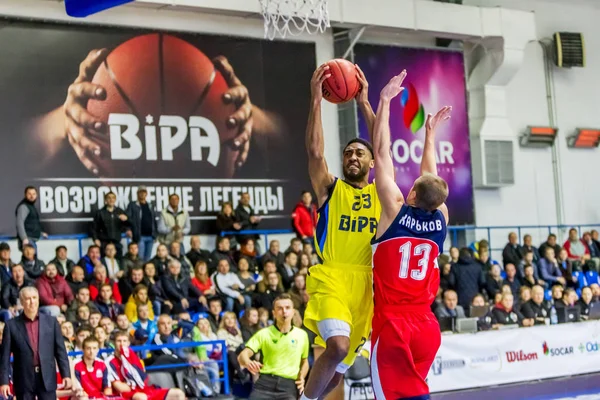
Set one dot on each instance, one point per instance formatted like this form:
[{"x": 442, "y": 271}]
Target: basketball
[
  {"x": 342, "y": 85},
  {"x": 157, "y": 75}
]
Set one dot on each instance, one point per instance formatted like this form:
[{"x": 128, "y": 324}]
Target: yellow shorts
[{"x": 342, "y": 292}]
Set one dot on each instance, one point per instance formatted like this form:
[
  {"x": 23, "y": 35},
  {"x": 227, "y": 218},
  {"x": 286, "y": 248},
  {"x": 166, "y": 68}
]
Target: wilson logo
[{"x": 519, "y": 356}]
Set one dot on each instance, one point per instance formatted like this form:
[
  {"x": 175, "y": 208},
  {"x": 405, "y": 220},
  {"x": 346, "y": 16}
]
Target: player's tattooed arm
[
  {"x": 318, "y": 171},
  {"x": 390, "y": 196}
]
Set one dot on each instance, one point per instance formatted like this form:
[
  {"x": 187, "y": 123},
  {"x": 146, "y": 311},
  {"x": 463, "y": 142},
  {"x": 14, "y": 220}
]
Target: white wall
[{"x": 531, "y": 200}]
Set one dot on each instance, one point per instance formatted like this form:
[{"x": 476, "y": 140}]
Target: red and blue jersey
[
  {"x": 405, "y": 267},
  {"x": 93, "y": 381},
  {"x": 128, "y": 369}
]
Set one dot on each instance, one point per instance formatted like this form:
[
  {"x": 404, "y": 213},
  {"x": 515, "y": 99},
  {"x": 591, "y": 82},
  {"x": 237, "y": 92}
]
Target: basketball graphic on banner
[{"x": 176, "y": 94}]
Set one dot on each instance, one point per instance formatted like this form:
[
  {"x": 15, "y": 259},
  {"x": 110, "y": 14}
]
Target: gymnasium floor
[{"x": 583, "y": 387}]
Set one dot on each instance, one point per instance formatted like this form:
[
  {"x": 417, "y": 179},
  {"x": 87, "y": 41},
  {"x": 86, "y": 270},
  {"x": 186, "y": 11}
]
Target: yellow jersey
[{"x": 346, "y": 223}]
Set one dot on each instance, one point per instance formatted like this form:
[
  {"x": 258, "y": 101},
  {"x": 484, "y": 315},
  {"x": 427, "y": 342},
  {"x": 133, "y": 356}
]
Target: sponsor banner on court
[
  {"x": 87, "y": 110},
  {"x": 436, "y": 78},
  {"x": 500, "y": 357}
]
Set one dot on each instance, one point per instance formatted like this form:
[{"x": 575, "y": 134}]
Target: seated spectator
[
  {"x": 557, "y": 293},
  {"x": 585, "y": 302},
  {"x": 247, "y": 250},
  {"x": 10, "y": 293},
  {"x": 280, "y": 378},
  {"x": 304, "y": 218},
  {"x": 81, "y": 298},
  {"x": 247, "y": 278},
  {"x": 82, "y": 333},
  {"x": 549, "y": 270},
  {"x": 524, "y": 296},
  {"x": 305, "y": 262},
  {"x": 478, "y": 300},
  {"x": 108, "y": 325},
  {"x": 528, "y": 260},
  {"x": 450, "y": 307},
  {"x": 127, "y": 284},
  {"x": 264, "y": 318},
  {"x": 268, "y": 268},
  {"x": 202, "y": 281},
  {"x": 511, "y": 279},
  {"x": 595, "y": 238},
  {"x": 106, "y": 303},
  {"x": 91, "y": 374},
  {"x": 566, "y": 268},
  {"x": 511, "y": 253},
  {"x": 569, "y": 298},
  {"x": 593, "y": 248},
  {"x": 76, "y": 279},
  {"x": 179, "y": 290},
  {"x": 453, "y": 255},
  {"x": 196, "y": 253},
  {"x": 68, "y": 333},
  {"x": 5, "y": 263},
  {"x": 298, "y": 294},
  {"x": 131, "y": 259},
  {"x": 209, "y": 352},
  {"x": 123, "y": 324},
  {"x": 54, "y": 291},
  {"x": 231, "y": 334},
  {"x": 529, "y": 278},
  {"x": 90, "y": 261},
  {"x": 309, "y": 250},
  {"x": 215, "y": 309},
  {"x": 229, "y": 286},
  {"x": 550, "y": 242},
  {"x": 166, "y": 335},
  {"x": 82, "y": 316},
  {"x": 64, "y": 265},
  {"x": 273, "y": 254},
  {"x": 505, "y": 314},
  {"x": 295, "y": 247},
  {"x": 528, "y": 247},
  {"x": 226, "y": 221},
  {"x": 576, "y": 249},
  {"x": 493, "y": 283},
  {"x": 536, "y": 308},
  {"x": 445, "y": 270},
  {"x": 113, "y": 266},
  {"x": 161, "y": 259},
  {"x": 484, "y": 259},
  {"x": 100, "y": 278},
  {"x": 249, "y": 323},
  {"x": 103, "y": 341},
  {"x": 31, "y": 264},
  {"x": 222, "y": 252},
  {"x": 157, "y": 296},
  {"x": 130, "y": 376},
  {"x": 94, "y": 320},
  {"x": 145, "y": 320},
  {"x": 266, "y": 299},
  {"x": 139, "y": 296},
  {"x": 288, "y": 269},
  {"x": 466, "y": 278},
  {"x": 186, "y": 265}
]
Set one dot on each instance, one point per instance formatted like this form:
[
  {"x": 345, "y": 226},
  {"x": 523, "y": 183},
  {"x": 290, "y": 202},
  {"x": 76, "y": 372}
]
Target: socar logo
[{"x": 414, "y": 114}]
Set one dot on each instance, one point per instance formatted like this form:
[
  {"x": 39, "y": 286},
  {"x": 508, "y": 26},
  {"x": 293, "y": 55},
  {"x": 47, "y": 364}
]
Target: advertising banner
[
  {"x": 87, "y": 110},
  {"x": 436, "y": 78},
  {"x": 498, "y": 357}
]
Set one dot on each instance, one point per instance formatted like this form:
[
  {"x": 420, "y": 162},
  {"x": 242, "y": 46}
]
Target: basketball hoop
[{"x": 293, "y": 17}]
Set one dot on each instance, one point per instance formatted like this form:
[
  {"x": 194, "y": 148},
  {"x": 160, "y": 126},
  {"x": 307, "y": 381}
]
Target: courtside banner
[
  {"x": 499, "y": 357},
  {"x": 436, "y": 78},
  {"x": 87, "y": 110}
]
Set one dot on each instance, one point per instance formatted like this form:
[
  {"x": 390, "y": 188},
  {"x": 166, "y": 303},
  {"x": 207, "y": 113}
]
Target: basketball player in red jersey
[{"x": 410, "y": 237}]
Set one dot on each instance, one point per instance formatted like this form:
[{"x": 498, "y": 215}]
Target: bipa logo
[
  {"x": 520, "y": 356},
  {"x": 557, "y": 351},
  {"x": 174, "y": 130}
]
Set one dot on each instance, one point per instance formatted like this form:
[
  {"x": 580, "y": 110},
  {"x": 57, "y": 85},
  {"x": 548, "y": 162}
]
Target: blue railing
[{"x": 149, "y": 347}]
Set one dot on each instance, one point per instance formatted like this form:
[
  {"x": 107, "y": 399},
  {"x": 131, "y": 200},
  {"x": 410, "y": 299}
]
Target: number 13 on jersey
[{"x": 415, "y": 258}]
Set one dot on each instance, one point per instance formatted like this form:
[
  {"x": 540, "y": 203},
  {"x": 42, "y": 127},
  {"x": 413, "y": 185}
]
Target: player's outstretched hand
[
  {"x": 394, "y": 87},
  {"x": 85, "y": 132},
  {"x": 316, "y": 83},
  {"x": 433, "y": 120},
  {"x": 242, "y": 117},
  {"x": 363, "y": 94}
]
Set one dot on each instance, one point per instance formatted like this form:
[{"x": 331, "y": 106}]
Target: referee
[{"x": 285, "y": 355}]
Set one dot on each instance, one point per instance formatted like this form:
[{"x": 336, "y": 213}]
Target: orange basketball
[
  {"x": 342, "y": 85},
  {"x": 157, "y": 75}
]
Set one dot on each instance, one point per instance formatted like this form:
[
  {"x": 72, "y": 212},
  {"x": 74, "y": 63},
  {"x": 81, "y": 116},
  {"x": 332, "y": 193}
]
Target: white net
[{"x": 293, "y": 17}]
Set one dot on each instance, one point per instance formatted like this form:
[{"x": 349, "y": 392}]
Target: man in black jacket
[
  {"x": 550, "y": 242},
  {"x": 29, "y": 228},
  {"x": 180, "y": 291},
  {"x": 64, "y": 265},
  {"x": 197, "y": 253},
  {"x": 129, "y": 282},
  {"x": 244, "y": 215},
  {"x": 511, "y": 253},
  {"x": 10, "y": 291},
  {"x": 142, "y": 219},
  {"x": 527, "y": 247},
  {"x": 536, "y": 308},
  {"x": 222, "y": 252},
  {"x": 466, "y": 277},
  {"x": 31, "y": 264},
  {"x": 35, "y": 363},
  {"x": 108, "y": 225}
]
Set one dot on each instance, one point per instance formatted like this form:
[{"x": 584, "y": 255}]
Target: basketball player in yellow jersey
[{"x": 341, "y": 300}]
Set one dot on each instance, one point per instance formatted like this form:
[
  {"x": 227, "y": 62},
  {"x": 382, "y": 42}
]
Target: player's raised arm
[
  {"x": 320, "y": 177},
  {"x": 389, "y": 194},
  {"x": 428, "y": 162},
  {"x": 362, "y": 99}
]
